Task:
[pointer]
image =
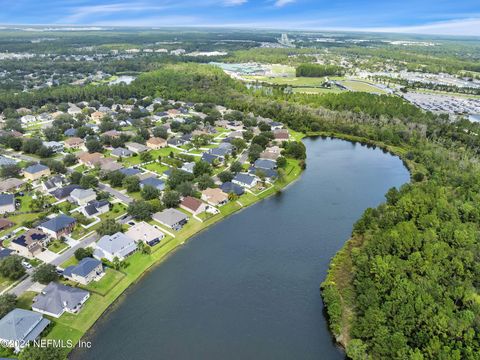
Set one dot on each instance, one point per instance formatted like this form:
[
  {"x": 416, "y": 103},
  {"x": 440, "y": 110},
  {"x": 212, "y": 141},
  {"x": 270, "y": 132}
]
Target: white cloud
[
  {"x": 280, "y": 3},
  {"x": 234, "y": 2},
  {"x": 468, "y": 27},
  {"x": 84, "y": 12}
]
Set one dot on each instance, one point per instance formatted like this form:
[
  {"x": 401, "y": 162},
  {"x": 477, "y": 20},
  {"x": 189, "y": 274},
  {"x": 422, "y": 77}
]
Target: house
[
  {"x": 267, "y": 173},
  {"x": 265, "y": 164},
  {"x": 153, "y": 181},
  {"x": 193, "y": 205},
  {"x": 188, "y": 167},
  {"x": 136, "y": 147},
  {"x": 95, "y": 208},
  {"x": 11, "y": 184},
  {"x": 27, "y": 119},
  {"x": 19, "y": 327},
  {"x": 97, "y": 116},
  {"x": 109, "y": 165},
  {"x": 90, "y": 159},
  {"x": 245, "y": 180},
  {"x": 156, "y": 143},
  {"x": 210, "y": 158},
  {"x": 58, "y": 226},
  {"x": 271, "y": 153},
  {"x": 54, "y": 146},
  {"x": 64, "y": 192},
  {"x": 36, "y": 171},
  {"x": 5, "y": 253},
  {"x": 214, "y": 196},
  {"x": 145, "y": 232},
  {"x": 5, "y": 224},
  {"x": 172, "y": 218},
  {"x": 82, "y": 197},
  {"x": 30, "y": 243},
  {"x": 281, "y": 135},
  {"x": 74, "y": 143},
  {"x": 56, "y": 298},
  {"x": 4, "y": 161},
  {"x": 70, "y": 132},
  {"x": 87, "y": 270},
  {"x": 114, "y": 134},
  {"x": 114, "y": 246},
  {"x": 52, "y": 183},
  {"x": 121, "y": 152},
  {"x": 7, "y": 203},
  {"x": 74, "y": 110},
  {"x": 130, "y": 171},
  {"x": 232, "y": 188}
]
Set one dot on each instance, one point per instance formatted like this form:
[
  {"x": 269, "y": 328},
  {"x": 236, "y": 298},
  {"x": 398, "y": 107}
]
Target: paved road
[
  {"x": 28, "y": 282},
  {"x": 120, "y": 196}
]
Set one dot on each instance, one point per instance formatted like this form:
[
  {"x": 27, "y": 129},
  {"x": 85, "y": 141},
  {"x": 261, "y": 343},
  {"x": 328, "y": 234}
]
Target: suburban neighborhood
[{"x": 99, "y": 192}]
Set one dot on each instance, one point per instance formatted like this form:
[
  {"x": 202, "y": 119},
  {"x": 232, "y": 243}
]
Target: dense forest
[
  {"x": 317, "y": 70},
  {"x": 406, "y": 286}
]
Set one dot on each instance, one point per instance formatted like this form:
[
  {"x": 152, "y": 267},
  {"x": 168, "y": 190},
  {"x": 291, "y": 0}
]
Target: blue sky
[{"x": 413, "y": 16}]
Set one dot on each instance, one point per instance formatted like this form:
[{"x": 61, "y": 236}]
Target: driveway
[
  {"x": 120, "y": 196},
  {"x": 47, "y": 256}
]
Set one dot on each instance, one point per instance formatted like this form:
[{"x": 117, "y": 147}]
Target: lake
[{"x": 248, "y": 288}]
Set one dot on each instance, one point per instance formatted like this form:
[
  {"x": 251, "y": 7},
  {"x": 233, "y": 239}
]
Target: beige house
[
  {"x": 30, "y": 243},
  {"x": 156, "y": 143},
  {"x": 97, "y": 116},
  {"x": 36, "y": 171},
  {"x": 11, "y": 184},
  {"x": 145, "y": 232},
  {"x": 90, "y": 160},
  {"x": 214, "y": 197},
  {"x": 74, "y": 143}
]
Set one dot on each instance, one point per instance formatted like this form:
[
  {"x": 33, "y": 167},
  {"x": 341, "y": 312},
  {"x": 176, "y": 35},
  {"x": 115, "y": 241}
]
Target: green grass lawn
[
  {"x": 5, "y": 282},
  {"x": 57, "y": 246},
  {"x": 106, "y": 283},
  {"x": 70, "y": 262},
  {"x": 156, "y": 167},
  {"x": 25, "y": 300},
  {"x": 163, "y": 152},
  {"x": 316, "y": 90},
  {"x": 131, "y": 161}
]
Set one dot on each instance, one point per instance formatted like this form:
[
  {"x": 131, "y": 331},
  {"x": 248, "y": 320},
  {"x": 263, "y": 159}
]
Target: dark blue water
[{"x": 248, "y": 288}]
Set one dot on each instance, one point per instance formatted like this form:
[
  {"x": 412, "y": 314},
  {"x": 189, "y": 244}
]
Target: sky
[{"x": 461, "y": 17}]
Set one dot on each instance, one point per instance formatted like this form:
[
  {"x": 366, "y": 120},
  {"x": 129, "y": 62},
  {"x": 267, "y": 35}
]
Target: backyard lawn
[
  {"x": 57, "y": 246},
  {"x": 106, "y": 283},
  {"x": 156, "y": 167}
]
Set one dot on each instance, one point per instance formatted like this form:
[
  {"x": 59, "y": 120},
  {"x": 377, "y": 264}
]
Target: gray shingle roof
[
  {"x": 117, "y": 244},
  {"x": 33, "y": 169},
  {"x": 7, "y": 199},
  {"x": 56, "y": 298},
  {"x": 20, "y": 324},
  {"x": 170, "y": 217},
  {"x": 83, "y": 268},
  {"x": 58, "y": 223}
]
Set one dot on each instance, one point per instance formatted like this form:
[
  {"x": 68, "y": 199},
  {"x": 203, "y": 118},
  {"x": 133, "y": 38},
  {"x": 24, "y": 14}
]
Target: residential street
[
  {"x": 122, "y": 197},
  {"x": 28, "y": 282}
]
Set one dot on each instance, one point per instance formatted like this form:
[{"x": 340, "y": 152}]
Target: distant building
[{"x": 156, "y": 143}]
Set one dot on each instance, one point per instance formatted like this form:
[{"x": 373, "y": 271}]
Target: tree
[
  {"x": 146, "y": 157},
  {"x": 70, "y": 159},
  {"x": 7, "y": 303},
  {"x": 160, "y": 132},
  {"x": 10, "y": 170},
  {"x": 236, "y": 167},
  {"x": 76, "y": 177},
  {"x": 82, "y": 253},
  {"x": 296, "y": 150},
  {"x": 42, "y": 353},
  {"x": 109, "y": 227},
  {"x": 131, "y": 183},
  {"x": 45, "y": 274},
  {"x": 186, "y": 189},
  {"x": 11, "y": 267},
  {"x": 226, "y": 176},
  {"x": 204, "y": 182},
  {"x": 281, "y": 162},
  {"x": 140, "y": 210},
  {"x": 116, "y": 178},
  {"x": 239, "y": 144},
  {"x": 150, "y": 192},
  {"x": 171, "y": 199},
  {"x": 89, "y": 181},
  {"x": 201, "y": 168},
  {"x": 93, "y": 145},
  {"x": 254, "y": 152}
]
